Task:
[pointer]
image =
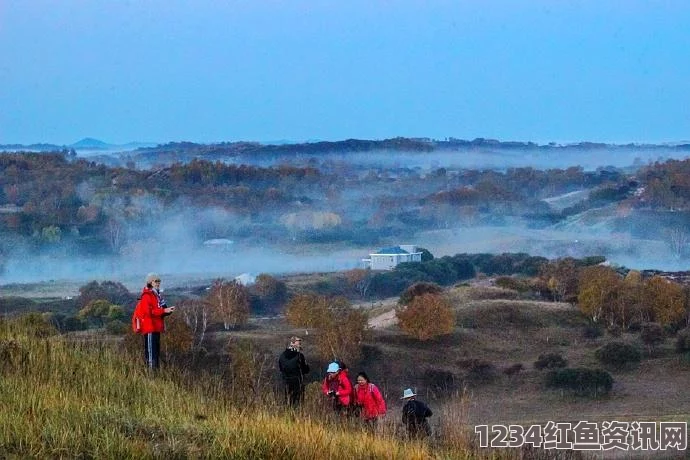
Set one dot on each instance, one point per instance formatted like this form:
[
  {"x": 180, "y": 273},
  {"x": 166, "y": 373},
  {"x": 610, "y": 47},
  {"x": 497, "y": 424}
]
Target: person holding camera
[
  {"x": 293, "y": 367},
  {"x": 148, "y": 319},
  {"x": 336, "y": 385}
]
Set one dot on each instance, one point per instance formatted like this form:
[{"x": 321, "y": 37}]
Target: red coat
[
  {"x": 369, "y": 397},
  {"x": 341, "y": 385},
  {"x": 148, "y": 316}
]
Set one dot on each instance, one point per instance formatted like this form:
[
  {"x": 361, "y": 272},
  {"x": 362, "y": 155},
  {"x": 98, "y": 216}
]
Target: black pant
[
  {"x": 294, "y": 392},
  {"x": 152, "y": 349},
  {"x": 418, "y": 429}
]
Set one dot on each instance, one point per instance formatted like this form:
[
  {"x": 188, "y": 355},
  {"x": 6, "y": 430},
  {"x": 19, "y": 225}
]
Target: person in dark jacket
[
  {"x": 414, "y": 415},
  {"x": 293, "y": 367}
]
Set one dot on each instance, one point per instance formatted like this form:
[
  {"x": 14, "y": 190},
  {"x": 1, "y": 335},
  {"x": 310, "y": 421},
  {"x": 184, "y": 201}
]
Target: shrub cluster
[
  {"x": 618, "y": 354},
  {"x": 581, "y": 380},
  {"x": 550, "y": 361},
  {"x": 683, "y": 340}
]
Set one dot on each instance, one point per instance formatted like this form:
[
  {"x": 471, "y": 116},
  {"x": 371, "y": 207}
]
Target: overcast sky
[{"x": 207, "y": 71}]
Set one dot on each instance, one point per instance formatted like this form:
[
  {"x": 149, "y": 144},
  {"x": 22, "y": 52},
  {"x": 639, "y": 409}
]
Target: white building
[{"x": 389, "y": 258}]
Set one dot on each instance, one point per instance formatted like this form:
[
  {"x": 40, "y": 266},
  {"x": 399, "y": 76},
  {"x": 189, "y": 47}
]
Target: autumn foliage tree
[
  {"x": 418, "y": 289},
  {"x": 340, "y": 336},
  {"x": 229, "y": 301},
  {"x": 307, "y": 310},
  {"x": 427, "y": 316},
  {"x": 359, "y": 280},
  {"x": 630, "y": 306},
  {"x": 598, "y": 292},
  {"x": 197, "y": 315},
  {"x": 561, "y": 277},
  {"x": 340, "y": 328},
  {"x": 666, "y": 300},
  {"x": 271, "y": 292}
]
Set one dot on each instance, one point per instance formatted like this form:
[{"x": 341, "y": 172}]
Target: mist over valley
[{"x": 74, "y": 215}]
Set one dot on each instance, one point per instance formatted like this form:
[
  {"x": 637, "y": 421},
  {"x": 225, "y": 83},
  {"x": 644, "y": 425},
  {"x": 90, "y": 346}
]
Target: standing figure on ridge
[
  {"x": 293, "y": 367},
  {"x": 148, "y": 319}
]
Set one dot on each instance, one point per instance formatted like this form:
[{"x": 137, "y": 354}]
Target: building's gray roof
[{"x": 393, "y": 250}]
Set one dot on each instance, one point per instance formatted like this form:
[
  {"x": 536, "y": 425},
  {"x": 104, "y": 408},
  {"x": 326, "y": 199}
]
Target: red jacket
[
  {"x": 341, "y": 385},
  {"x": 148, "y": 315},
  {"x": 369, "y": 397}
]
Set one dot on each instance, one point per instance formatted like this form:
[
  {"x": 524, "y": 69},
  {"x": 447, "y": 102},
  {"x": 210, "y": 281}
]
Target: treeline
[
  {"x": 367, "y": 145},
  {"x": 49, "y": 197}
]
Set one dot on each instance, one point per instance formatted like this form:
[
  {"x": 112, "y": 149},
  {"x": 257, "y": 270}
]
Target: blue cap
[{"x": 333, "y": 367}]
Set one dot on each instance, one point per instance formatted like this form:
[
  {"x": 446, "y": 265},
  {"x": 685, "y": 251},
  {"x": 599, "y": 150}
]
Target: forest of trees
[{"x": 49, "y": 198}]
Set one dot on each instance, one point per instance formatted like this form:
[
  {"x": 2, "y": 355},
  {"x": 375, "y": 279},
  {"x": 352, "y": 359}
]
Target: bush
[
  {"x": 514, "y": 284},
  {"x": 652, "y": 334},
  {"x": 117, "y": 327},
  {"x": 114, "y": 292},
  {"x": 73, "y": 323},
  {"x": 514, "y": 369},
  {"x": 37, "y": 325},
  {"x": 581, "y": 380},
  {"x": 418, "y": 289},
  {"x": 479, "y": 371},
  {"x": 618, "y": 354},
  {"x": 550, "y": 361},
  {"x": 683, "y": 340},
  {"x": 427, "y": 316},
  {"x": 439, "y": 380},
  {"x": 13, "y": 303},
  {"x": 592, "y": 331}
]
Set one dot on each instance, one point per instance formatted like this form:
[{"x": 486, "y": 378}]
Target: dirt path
[{"x": 383, "y": 320}]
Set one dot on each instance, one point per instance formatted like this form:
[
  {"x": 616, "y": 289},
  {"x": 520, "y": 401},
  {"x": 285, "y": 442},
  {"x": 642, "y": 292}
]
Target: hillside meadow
[
  {"x": 65, "y": 399},
  {"x": 85, "y": 394}
]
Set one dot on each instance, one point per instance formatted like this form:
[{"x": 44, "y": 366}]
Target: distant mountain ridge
[
  {"x": 347, "y": 145},
  {"x": 401, "y": 144},
  {"x": 87, "y": 143}
]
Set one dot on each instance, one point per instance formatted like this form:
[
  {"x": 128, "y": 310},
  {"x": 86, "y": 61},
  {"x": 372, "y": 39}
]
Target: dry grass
[{"x": 63, "y": 399}]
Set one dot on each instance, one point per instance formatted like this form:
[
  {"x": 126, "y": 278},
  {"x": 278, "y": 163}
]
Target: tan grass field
[{"x": 90, "y": 403}]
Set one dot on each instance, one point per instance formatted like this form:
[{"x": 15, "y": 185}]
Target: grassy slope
[{"x": 62, "y": 400}]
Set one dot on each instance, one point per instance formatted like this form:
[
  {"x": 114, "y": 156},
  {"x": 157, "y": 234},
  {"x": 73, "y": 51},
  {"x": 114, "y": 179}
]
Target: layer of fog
[
  {"x": 497, "y": 159},
  {"x": 183, "y": 260},
  {"x": 171, "y": 242},
  {"x": 503, "y": 159}
]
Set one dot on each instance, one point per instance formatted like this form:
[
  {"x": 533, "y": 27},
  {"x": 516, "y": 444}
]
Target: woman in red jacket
[
  {"x": 369, "y": 399},
  {"x": 148, "y": 319},
  {"x": 337, "y": 386}
]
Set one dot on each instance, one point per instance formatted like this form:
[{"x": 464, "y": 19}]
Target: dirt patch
[{"x": 383, "y": 320}]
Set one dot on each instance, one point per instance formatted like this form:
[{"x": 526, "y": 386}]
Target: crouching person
[
  {"x": 414, "y": 415},
  {"x": 338, "y": 388}
]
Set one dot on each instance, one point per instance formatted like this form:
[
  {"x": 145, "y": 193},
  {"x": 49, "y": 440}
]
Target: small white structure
[
  {"x": 245, "y": 279},
  {"x": 389, "y": 258},
  {"x": 219, "y": 244}
]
